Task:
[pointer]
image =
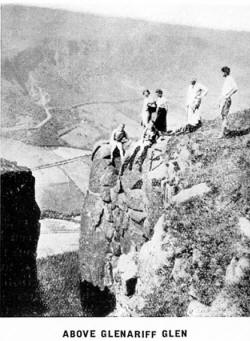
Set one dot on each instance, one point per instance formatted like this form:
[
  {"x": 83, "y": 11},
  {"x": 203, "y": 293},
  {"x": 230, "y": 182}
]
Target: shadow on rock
[
  {"x": 234, "y": 133},
  {"x": 96, "y": 302},
  {"x": 22, "y": 303}
]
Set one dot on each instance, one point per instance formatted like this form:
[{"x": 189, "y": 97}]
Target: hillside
[
  {"x": 171, "y": 239},
  {"x": 56, "y": 59}
]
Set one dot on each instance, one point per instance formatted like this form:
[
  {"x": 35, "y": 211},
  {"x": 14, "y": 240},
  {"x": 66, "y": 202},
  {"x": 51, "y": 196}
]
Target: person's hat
[{"x": 158, "y": 91}]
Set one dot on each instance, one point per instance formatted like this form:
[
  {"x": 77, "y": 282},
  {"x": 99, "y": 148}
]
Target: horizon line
[{"x": 175, "y": 21}]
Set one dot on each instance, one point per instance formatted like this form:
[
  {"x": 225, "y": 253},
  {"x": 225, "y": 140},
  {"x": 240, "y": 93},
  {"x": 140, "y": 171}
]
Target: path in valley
[{"x": 53, "y": 167}]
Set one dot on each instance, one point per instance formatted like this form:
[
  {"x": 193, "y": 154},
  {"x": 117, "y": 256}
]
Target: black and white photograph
[{"x": 125, "y": 164}]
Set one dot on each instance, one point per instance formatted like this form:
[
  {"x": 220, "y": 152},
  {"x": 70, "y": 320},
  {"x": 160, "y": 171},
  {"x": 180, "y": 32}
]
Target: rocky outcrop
[
  {"x": 167, "y": 234},
  {"x": 19, "y": 236}
]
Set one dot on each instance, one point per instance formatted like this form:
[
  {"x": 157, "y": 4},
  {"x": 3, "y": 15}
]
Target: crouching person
[{"x": 118, "y": 138}]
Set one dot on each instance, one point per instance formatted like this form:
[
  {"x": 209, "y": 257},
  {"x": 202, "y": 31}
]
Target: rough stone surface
[
  {"x": 157, "y": 241},
  {"x": 244, "y": 226},
  {"x": 20, "y": 230},
  {"x": 237, "y": 270},
  {"x": 190, "y": 193}
]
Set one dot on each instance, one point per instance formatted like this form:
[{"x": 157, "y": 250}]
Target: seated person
[
  {"x": 117, "y": 140},
  {"x": 149, "y": 137}
]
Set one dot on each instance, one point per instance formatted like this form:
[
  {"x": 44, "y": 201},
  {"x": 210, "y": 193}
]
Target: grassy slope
[
  {"x": 209, "y": 224},
  {"x": 78, "y": 58},
  {"x": 59, "y": 285}
]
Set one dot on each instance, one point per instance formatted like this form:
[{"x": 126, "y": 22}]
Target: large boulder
[
  {"x": 20, "y": 230},
  {"x": 168, "y": 234}
]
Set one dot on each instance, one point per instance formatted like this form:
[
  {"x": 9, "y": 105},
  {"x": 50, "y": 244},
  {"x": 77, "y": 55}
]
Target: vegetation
[
  {"x": 79, "y": 58},
  {"x": 59, "y": 285},
  {"x": 209, "y": 224}
]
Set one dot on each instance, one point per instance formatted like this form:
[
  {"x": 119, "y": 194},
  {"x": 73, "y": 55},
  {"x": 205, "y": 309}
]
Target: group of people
[
  {"x": 159, "y": 106},
  {"x": 154, "y": 113}
]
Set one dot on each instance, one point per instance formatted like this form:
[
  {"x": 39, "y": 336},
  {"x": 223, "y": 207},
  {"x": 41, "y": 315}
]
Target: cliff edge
[
  {"x": 19, "y": 235},
  {"x": 170, "y": 234}
]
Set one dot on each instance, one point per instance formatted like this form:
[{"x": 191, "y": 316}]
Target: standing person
[
  {"x": 229, "y": 88},
  {"x": 161, "y": 112},
  {"x": 117, "y": 140},
  {"x": 149, "y": 106},
  {"x": 194, "y": 95}
]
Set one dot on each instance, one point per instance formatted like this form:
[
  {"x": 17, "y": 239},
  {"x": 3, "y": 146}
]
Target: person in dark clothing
[{"x": 161, "y": 112}]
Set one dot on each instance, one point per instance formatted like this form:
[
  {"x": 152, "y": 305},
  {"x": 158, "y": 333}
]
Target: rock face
[
  {"x": 167, "y": 234},
  {"x": 19, "y": 236}
]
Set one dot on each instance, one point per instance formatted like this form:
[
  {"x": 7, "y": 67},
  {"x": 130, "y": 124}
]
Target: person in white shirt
[
  {"x": 229, "y": 88},
  {"x": 117, "y": 140},
  {"x": 161, "y": 112},
  {"x": 196, "y": 91},
  {"x": 149, "y": 106}
]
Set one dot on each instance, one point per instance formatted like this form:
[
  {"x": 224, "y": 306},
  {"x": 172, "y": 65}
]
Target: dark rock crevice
[{"x": 96, "y": 302}]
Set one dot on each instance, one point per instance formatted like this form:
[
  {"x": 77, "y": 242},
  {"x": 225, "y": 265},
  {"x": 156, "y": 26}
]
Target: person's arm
[
  {"x": 125, "y": 138},
  {"x": 204, "y": 90},
  {"x": 233, "y": 90},
  {"x": 112, "y": 137},
  {"x": 188, "y": 97},
  {"x": 157, "y": 109},
  {"x": 166, "y": 103}
]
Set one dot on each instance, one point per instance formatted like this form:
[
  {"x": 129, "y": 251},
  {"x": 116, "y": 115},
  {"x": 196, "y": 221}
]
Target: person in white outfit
[
  {"x": 196, "y": 91},
  {"x": 229, "y": 88},
  {"x": 149, "y": 106}
]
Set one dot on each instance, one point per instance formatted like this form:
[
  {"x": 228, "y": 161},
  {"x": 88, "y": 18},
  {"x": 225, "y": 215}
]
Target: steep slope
[
  {"x": 77, "y": 58},
  {"x": 169, "y": 235}
]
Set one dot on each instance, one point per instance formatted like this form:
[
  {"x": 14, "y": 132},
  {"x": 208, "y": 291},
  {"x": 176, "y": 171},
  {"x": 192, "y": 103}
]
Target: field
[
  {"x": 69, "y": 60},
  {"x": 68, "y": 79}
]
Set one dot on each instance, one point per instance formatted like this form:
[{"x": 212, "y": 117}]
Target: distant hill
[{"x": 76, "y": 58}]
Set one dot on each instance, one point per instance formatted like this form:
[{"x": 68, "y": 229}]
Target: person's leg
[
  {"x": 112, "y": 150},
  {"x": 145, "y": 118},
  {"x": 133, "y": 156},
  {"x": 191, "y": 115},
  {"x": 163, "y": 119},
  {"x": 160, "y": 122},
  {"x": 196, "y": 116},
  {"x": 149, "y": 115},
  {"x": 121, "y": 150},
  {"x": 166, "y": 119},
  {"x": 143, "y": 155},
  {"x": 224, "y": 114}
]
